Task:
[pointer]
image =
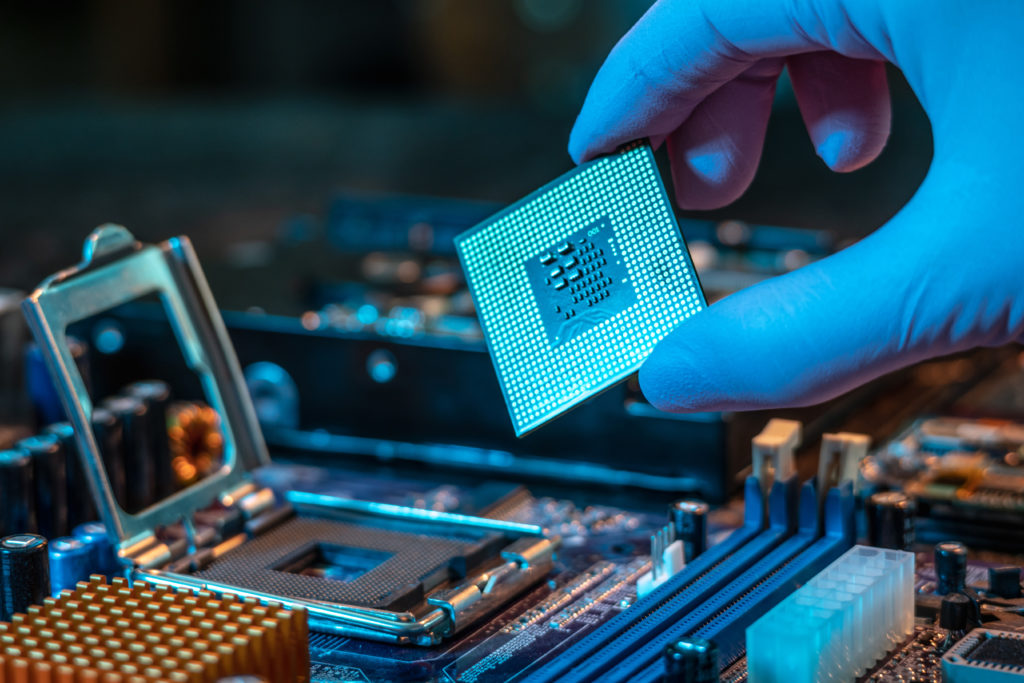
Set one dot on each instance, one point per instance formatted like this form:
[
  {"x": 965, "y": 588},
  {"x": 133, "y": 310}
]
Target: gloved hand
[{"x": 943, "y": 275}]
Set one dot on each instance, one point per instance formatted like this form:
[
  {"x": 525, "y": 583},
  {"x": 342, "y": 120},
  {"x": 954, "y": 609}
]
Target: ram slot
[
  {"x": 727, "y": 626},
  {"x": 709, "y": 573}
]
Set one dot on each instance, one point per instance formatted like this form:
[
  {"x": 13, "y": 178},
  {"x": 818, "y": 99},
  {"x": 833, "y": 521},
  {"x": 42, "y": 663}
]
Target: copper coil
[{"x": 196, "y": 442}]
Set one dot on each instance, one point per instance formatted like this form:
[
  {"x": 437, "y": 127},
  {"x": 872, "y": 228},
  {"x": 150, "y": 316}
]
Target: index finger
[{"x": 683, "y": 50}]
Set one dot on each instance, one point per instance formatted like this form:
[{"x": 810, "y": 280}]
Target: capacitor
[
  {"x": 955, "y": 612},
  {"x": 13, "y": 333},
  {"x": 950, "y": 567},
  {"x": 691, "y": 660},
  {"x": 109, "y": 433},
  {"x": 139, "y": 459},
  {"x": 157, "y": 397},
  {"x": 50, "y": 480},
  {"x": 890, "y": 520},
  {"x": 24, "y": 573},
  {"x": 71, "y": 561},
  {"x": 81, "y": 507},
  {"x": 689, "y": 519},
  {"x": 17, "y": 496},
  {"x": 1004, "y": 582},
  {"x": 41, "y": 388},
  {"x": 104, "y": 558}
]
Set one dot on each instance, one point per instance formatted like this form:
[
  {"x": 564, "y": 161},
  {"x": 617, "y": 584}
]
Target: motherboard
[{"x": 195, "y": 489}]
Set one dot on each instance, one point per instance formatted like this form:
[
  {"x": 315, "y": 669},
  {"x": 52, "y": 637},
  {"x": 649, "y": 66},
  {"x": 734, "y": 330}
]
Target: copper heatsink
[{"x": 121, "y": 633}]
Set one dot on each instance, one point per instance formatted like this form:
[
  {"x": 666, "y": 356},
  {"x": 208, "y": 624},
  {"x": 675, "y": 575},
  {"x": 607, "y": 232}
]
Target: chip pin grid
[
  {"x": 123, "y": 632},
  {"x": 576, "y": 283}
]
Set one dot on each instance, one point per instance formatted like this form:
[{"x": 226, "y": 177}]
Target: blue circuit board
[{"x": 585, "y": 620}]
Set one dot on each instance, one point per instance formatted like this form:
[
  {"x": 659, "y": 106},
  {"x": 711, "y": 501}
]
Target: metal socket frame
[{"x": 117, "y": 269}]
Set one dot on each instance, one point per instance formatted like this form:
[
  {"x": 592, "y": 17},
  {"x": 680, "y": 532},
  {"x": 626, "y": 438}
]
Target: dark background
[{"x": 224, "y": 120}]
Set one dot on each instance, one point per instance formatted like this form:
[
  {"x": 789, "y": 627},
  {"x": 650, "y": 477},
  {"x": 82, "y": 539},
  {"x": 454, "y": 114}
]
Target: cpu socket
[{"x": 359, "y": 568}]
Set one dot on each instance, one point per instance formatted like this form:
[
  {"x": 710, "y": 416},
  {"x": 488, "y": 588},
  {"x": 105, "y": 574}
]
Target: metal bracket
[{"x": 117, "y": 269}]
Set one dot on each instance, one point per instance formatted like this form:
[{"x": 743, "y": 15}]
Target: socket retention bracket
[{"x": 116, "y": 269}]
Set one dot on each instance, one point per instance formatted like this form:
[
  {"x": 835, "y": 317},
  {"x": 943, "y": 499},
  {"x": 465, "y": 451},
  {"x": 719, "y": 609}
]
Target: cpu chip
[{"x": 575, "y": 284}]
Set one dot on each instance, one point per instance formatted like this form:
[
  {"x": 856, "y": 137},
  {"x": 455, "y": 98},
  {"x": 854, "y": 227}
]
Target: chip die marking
[
  {"x": 580, "y": 282},
  {"x": 575, "y": 284}
]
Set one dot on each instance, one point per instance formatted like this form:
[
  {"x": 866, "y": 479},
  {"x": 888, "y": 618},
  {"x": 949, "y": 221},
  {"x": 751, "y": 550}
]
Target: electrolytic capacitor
[
  {"x": 104, "y": 558},
  {"x": 71, "y": 561},
  {"x": 157, "y": 397},
  {"x": 950, "y": 567},
  {"x": 139, "y": 459},
  {"x": 689, "y": 519},
  {"x": 24, "y": 573},
  {"x": 890, "y": 520},
  {"x": 691, "y": 660},
  {"x": 13, "y": 333},
  {"x": 109, "y": 433},
  {"x": 41, "y": 389},
  {"x": 50, "y": 479},
  {"x": 17, "y": 495},
  {"x": 79, "y": 496},
  {"x": 955, "y": 611}
]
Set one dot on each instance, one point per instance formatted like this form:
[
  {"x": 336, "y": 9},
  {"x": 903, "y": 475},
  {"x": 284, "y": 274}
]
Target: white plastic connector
[
  {"x": 836, "y": 626},
  {"x": 773, "y": 449},
  {"x": 841, "y": 455},
  {"x": 666, "y": 560}
]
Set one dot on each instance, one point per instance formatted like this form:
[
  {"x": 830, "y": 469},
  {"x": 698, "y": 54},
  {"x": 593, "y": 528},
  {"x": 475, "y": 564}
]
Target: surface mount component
[
  {"x": 839, "y": 623},
  {"x": 388, "y": 573},
  {"x": 1004, "y": 582},
  {"x": 124, "y": 632},
  {"x": 985, "y": 656},
  {"x": 575, "y": 284}
]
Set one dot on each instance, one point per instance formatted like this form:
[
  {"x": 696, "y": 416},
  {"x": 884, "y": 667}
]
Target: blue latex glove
[{"x": 943, "y": 275}]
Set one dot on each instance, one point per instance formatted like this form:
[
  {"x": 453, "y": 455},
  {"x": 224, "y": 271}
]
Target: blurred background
[{"x": 232, "y": 122}]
